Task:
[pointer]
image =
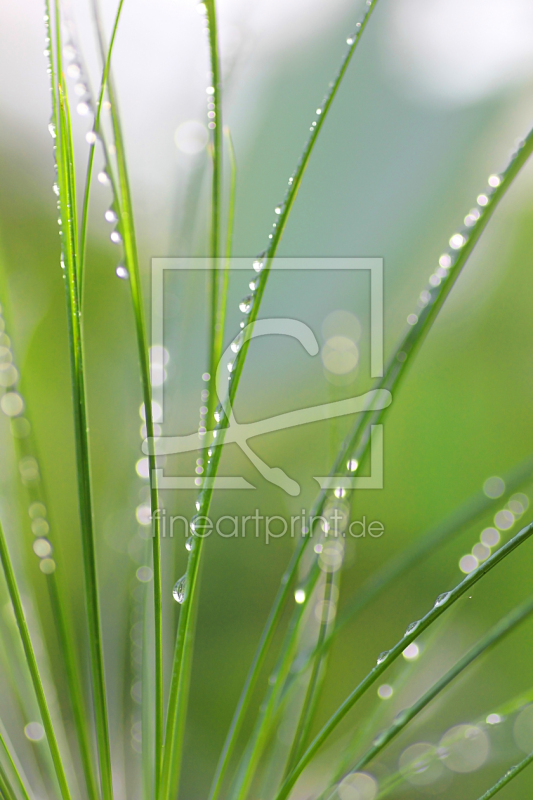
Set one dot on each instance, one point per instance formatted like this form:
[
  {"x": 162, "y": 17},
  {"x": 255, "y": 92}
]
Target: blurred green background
[{"x": 398, "y": 165}]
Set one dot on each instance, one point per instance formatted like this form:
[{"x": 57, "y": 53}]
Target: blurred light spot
[
  {"x": 464, "y": 748},
  {"x": 468, "y": 564},
  {"x": 480, "y": 551},
  {"x": 8, "y": 375},
  {"x": 490, "y": 537},
  {"x": 340, "y": 355},
  {"x": 325, "y": 611},
  {"x": 482, "y": 200},
  {"x": 523, "y": 729},
  {"x": 34, "y": 731},
  {"x": 419, "y": 764},
  {"x": 493, "y": 719},
  {"x": 494, "y": 181},
  {"x": 385, "y": 691},
  {"x": 412, "y": 319},
  {"x": 457, "y": 241},
  {"x": 330, "y": 559},
  {"x": 341, "y": 323},
  {"x": 411, "y": 652},
  {"x": 142, "y": 467},
  {"x": 157, "y": 411},
  {"x": 12, "y": 404},
  {"x": 191, "y": 137},
  {"x": 37, "y": 510},
  {"x": 494, "y": 487},
  {"x": 143, "y": 514},
  {"x": 358, "y": 786},
  {"x": 159, "y": 355},
  {"x": 299, "y": 596},
  {"x": 136, "y": 692},
  {"x": 39, "y": 527},
  {"x": 144, "y": 574},
  {"x": 504, "y": 520},
  {"x": 47, "y": 565},
  {"x": 42, "y": 548},
  {"x": 518, "y": 504}
]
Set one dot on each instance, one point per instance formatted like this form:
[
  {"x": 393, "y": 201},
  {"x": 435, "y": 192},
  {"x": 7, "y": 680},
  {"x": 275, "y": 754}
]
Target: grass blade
[
  {"x": 508, "y": 777},
  {"x": 127, "y": 226},
  {"x": 33, "y": 666},
  {"x": 443, "y": 603},
  {"x": 70, "y": 261},
  {"x": 493, "y": 637}
]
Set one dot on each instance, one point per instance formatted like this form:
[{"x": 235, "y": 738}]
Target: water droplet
[
  {"x": 231, "y": 364},
  {"x": 116, "y": 238},
  {"x": 82, "y": 109},
  {"x": 55, "y": 189},
  {"x": 349, "y": 40},
  {"x": 412, "y": 627},
  {"x": 179, "y": 592},
  {"x": 52, "y": 129},
  {"x": 277, "y": 210},
  {"x": 441, "y": 599},
  {"x": 457, "y": 241},
  {"x": 122, "y": 272},
  {"x": 237, "y": 343},
  {"x": 103, "y": 178},
  {"x": 482, "y": 200},
  {"x": 299, "y": 596},
  {"x": 189, "y": 544},
  {"x": 382, "y": 656},
  {"x": 90, "y": 137},
  {"x": 110, "y": 216},
  {"x": 246, "y": 304},
  {"x": 494, "y": 181}
]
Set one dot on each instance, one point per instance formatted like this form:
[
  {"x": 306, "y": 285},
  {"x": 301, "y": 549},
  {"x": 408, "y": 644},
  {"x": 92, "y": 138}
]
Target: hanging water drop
[
  {"x": 110, "y": 216},
  {"x": 52, "y": 129},
  {"x": 180, "y": 589},
  {"x": 116, "y": 238},
  {"x": 189, "y": 543},
  {"x": 122, "y": 273},
  {"x": 246, "y": 304},
  {"x": 382, "y": 656},
  {"x": 237, "y": 343},
  {"x": 258, "y": 265}
]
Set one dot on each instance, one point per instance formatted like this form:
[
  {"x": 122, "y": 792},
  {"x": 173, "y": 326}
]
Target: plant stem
[
  {"x": 126, "y": 217},
  {"x": 33, "y": 666},
  {"x": 450, "y": 598},
  {"x": 67, "y": 195},
  {"x": 508, "y": 777}
]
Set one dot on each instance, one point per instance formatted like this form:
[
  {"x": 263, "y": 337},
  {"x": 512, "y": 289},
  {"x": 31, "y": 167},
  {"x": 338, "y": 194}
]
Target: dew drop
[
  {"x": 122, "y": 273},
  {"x": 237, "y": 343},
  {"x": 115, "y": 237},
  {"x": 382, "y": 656},
  {"x": 103, "y": 178},
  {"x": 179, "y": 591},
  {"x": 441, "y": 599},
  {"x": 189, "y": 544},
  {"x": 52, "y": 130},
  {"x": 412, "y": 627},
  {"x": 258, "y": 265},
  {"x": 246, "y": 304},
  {"x": 110, "y": 216},
  {"x": 457, "y": 241}
]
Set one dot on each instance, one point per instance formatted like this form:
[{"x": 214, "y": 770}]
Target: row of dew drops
[
  {"x": 457, "y": 242},
  {"x": 247, "y": 303},
  {"x": 12, "y": 405}
]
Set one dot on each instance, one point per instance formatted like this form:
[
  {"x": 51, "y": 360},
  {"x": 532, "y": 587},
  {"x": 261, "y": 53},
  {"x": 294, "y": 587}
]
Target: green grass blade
[
  {"x": 424, "y": 546},
  {"x": 313, "y": 687},
  {"x": 508, "y": 777},
  {"x": 92, "y": 150},
  {"x": 493, "y": 637},
  {"x": 11, "y": 761},
  {"x": 445, "y": 601},
  {"x": 33, "y": 667},
  {"x": 127, "y": 225},
  {"x": 182, "y": 665},
  {"x": 69, "y": 236},
  {"x": 212, "y": 464}
]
